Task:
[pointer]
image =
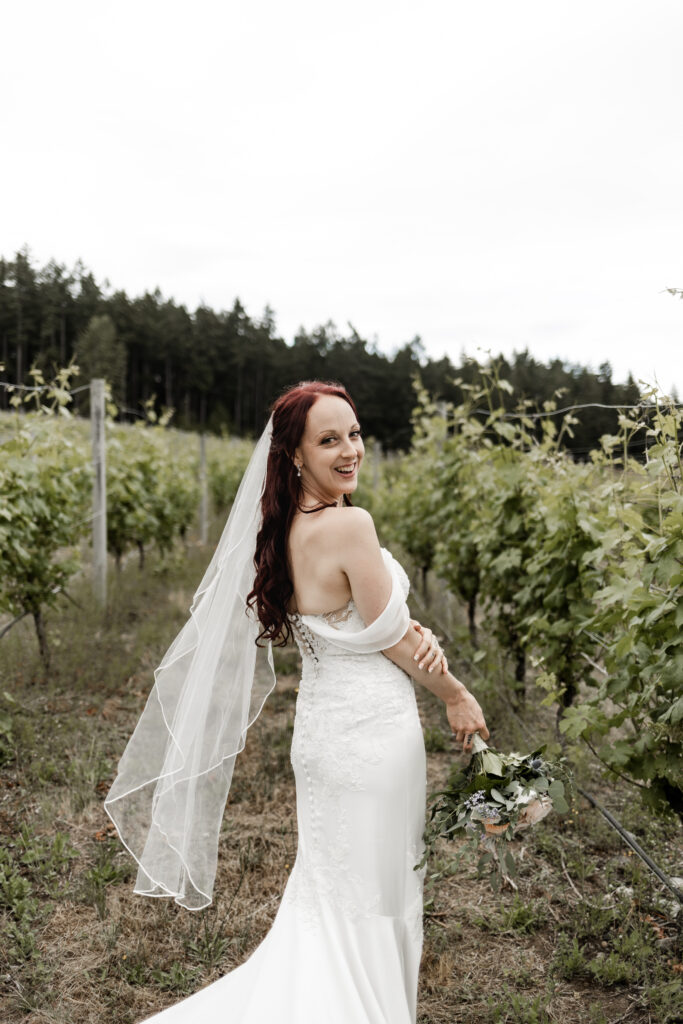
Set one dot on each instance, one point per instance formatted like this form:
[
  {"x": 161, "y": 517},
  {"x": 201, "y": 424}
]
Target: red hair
[{"x": 281, "y": 496}]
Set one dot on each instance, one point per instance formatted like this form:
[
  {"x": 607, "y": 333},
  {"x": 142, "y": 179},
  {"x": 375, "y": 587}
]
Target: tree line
[{"x": 220, "y": 369}]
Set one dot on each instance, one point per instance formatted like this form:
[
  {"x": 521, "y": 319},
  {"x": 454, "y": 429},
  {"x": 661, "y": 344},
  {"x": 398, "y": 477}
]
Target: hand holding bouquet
[{"x": 492, "y": 800}]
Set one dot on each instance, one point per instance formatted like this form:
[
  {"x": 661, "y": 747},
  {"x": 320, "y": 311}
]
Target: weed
[
  {"x": 663, "y": 997},
  {"x": 208, "y": 949},
  {"x": 44, "y": 858},
  {"x": 177, "y": 978},
  {"x": 83, "y": 774},
  {"x": 569, "y": 957},
  {"x": 21, "y": 942},
  {"x": 16, "y": 895},
  {"x": 520, "y": 916},
  {"x": 510, "y": 1007},
  {"x": 611, "y": 969},
  {"x": 131, "y": 970},
  {"x": 440, "y": 939},
  {"x": 104, "y": 872}
]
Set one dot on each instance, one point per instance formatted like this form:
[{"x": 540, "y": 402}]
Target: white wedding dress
[{"x": 345, "y": 944}]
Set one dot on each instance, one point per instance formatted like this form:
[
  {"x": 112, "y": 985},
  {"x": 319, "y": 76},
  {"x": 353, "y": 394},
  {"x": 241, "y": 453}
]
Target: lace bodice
[{"x": 315, "y": 640}]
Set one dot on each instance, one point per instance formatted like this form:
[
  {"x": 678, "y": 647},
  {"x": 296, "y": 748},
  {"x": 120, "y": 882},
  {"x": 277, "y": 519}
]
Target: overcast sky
[{"x": 502, "y": 175}]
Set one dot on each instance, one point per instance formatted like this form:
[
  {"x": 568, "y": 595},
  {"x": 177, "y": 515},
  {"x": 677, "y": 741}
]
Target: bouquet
[{"x": 493, "y": 800}]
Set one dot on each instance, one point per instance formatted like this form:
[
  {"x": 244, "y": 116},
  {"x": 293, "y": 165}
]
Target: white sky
[{"x": 496, "y": 174}]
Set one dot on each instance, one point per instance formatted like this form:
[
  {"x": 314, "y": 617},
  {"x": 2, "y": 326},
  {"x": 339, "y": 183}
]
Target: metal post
[{"x": 99, "y": 494}]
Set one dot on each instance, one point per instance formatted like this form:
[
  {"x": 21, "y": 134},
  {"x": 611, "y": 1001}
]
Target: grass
[{"x": 590, "y": 936}]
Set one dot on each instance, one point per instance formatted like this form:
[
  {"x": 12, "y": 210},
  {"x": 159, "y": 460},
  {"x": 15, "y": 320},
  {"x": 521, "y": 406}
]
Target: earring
[{"x": 298, "y": 470}]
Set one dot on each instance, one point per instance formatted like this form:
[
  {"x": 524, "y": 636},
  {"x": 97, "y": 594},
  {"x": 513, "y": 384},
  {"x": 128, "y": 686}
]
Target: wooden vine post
[
  {"x": 99, "y": 496},
  {"x": 203, "y": 492}
]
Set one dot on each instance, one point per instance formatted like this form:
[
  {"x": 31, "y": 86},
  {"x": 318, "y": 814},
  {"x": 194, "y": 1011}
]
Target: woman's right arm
[
  {"x": 361, "y": 560},
  {"x": 462, "y": 709}
]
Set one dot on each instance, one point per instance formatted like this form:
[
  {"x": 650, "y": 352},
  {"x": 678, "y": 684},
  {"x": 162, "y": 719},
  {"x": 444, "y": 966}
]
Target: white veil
[{"x": 168, "y": 798}]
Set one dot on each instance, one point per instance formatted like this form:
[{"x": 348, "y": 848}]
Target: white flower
[{"x": 535, "y": 811}]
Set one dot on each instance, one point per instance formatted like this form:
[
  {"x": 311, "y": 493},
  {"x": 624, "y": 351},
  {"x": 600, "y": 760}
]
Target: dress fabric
[{"x": 345, "y": 944}]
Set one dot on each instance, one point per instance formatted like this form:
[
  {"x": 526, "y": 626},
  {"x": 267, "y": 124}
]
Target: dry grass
[{"x": 91, "y": 951}]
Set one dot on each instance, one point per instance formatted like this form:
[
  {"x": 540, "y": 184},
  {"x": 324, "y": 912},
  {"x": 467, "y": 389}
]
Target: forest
[{"x": 220, "y": 369}]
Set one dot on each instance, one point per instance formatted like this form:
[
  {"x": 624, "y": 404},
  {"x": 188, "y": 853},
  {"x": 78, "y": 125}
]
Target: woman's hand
[
  {"x": 465, "y": 717},
  {"x": 428, "y": 652}
]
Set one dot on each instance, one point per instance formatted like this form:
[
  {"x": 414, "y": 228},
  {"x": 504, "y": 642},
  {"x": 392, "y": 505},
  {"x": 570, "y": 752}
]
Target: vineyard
[
  {"x": 555, "y": 586},
  {"x": 46, "y": 485},
  {"x": 577, "y": 567}
]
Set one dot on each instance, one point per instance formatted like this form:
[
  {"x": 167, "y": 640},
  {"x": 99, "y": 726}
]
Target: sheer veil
[{"x": 168, "y": 798}]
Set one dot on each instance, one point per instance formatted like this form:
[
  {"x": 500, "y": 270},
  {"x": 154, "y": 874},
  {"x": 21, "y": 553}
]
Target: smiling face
[{"x": 331, "y": 441}]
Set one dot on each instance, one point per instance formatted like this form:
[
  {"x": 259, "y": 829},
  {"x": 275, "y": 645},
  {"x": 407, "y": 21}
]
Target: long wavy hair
[{"x": 273, "y": 586}]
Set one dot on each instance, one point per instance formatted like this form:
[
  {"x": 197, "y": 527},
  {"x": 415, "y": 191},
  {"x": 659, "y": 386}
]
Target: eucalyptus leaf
[
  {"x": 492, "y": 764},
  {"x": 556, "y": 789}
]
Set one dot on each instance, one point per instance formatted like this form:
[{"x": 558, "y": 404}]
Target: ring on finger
[{"x": 432, "y": 650}]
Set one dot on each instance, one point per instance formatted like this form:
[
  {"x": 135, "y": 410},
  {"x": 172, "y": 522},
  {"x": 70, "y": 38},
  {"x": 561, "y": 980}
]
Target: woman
[{"x": 345, "y": 944}]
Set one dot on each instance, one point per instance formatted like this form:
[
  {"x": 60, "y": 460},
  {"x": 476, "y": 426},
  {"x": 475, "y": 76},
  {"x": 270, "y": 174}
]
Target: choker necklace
[{"x": 320, "y": 507}]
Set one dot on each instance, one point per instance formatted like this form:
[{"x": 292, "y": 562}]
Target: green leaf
[
  {"x": 560, "y": 805},
  {"x": 556, "y": 789},
  {"x": 676, "y": 711},
  {"x": 624, "y": 646},
  {"x": 492, "y": 764}
]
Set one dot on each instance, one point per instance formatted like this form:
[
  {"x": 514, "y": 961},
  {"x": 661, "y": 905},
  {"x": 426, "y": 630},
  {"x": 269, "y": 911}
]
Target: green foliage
[
  {"x": 30, "y": 866},
  {"x": 44, "y": 483},
  {"x": 637, "y": 616},
  {"x": 509, "y": 1006},
  {"x": 152, "y": 487},
  {"x": 226, "y": 468},
  {"x": 410, "y": 514},
  {"x": 490, "y": 800},
  {"x": 517, "y": 916},
  {"x": 578, "y": 565},
  {"x": 569, "y": 957},
  {"x": 176, "y": 978},
  {"x": 522, "y": 917}
]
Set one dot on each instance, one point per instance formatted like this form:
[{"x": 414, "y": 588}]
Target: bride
[{"x": 297, "y": 558}]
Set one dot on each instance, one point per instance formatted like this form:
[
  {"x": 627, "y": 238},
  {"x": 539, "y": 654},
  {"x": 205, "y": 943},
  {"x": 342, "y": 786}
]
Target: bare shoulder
[
  {"x": 358, "y": 554},
  {"x": 350, "y": 523},
  {"x": 355, "y": 542}
]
